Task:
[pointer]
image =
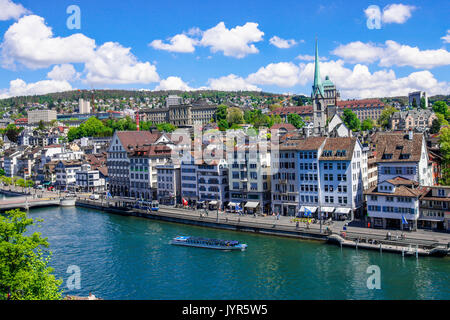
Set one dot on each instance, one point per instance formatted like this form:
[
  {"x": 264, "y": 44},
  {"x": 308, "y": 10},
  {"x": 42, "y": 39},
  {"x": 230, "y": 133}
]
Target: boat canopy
[
  {"x": 233, "y": 204},
  {"x": 213, "y": 203},
  {"x": 327, "y": 209},
  {"x": 252, "y": 204}
]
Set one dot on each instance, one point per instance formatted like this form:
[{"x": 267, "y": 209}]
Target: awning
[
  {"x": 233, "y": 204},
  {"x": 312, "y": 209},
  {"x": 327, "y": 209},
  {"x": 251, "y": 204},
  {"x": 213, "y": 203},
  {"x": 343, "y": 210}
]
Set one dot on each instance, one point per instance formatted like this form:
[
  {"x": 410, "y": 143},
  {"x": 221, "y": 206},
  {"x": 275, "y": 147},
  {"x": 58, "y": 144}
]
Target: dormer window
[
  {"x": 404, "y": 156},
  {"x": 387, "y": 156}
]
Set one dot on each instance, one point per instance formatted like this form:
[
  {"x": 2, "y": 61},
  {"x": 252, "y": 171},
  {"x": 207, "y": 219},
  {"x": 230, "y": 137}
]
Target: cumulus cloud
[
  {"x": 282, "y": 43},
  {"x": 64, "y": 72},
  {"x": 283, "y": 74},
  {"x": 10, "y": 10},
  {"x": 114, "y": 64},
  {"x": 446, "y": 38},
  {"x": 236, "y": 42},
  {"x": 397, "y": 13},
  {"x": 173, "y": 83},
  {"x": 19, "y": 87},
  {"x": 392, "y": 54},
  {"x": 231, "y": 83},
  {"x": 359, "y": 82},
  {"x": 31, "y": 42},
  {"x": 178, "y": 43}
]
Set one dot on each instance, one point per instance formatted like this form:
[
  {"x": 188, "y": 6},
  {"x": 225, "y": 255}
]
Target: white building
[
  {"x": 36, "y": 116},
  {"x": 84, "y": 106},
  {"x": 66, "y": 173},
  {"x": 169, "y": 184},
  {"x": 404, "y": 155},
  {"x": 89, "y": 180},
  {"x": 213, "y": 185},
  {"x": 392, "y": 202}
]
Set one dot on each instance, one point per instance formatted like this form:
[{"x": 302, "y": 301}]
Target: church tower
[
  {"x": 318, "y": 98},
  {"x": 324, "y": 98}
]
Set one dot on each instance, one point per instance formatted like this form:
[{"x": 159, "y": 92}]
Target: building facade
[{"x": 36, "y": 116}]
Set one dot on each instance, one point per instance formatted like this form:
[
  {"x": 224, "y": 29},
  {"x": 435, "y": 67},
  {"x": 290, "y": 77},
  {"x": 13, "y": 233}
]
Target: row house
[
  {"x": 394, "y": 203},
  {"x": 249, "y": 179},
  {"x": 321, "y": 175},
  {"x": 404, "y": 155},
  {"x": 65, "y": 171},
  {"x": 11, "y": 160},
  {"x": 169, "y": 183},
  {"x": 435, "y": 208},
  {"x": 89, "y": 180},
  {"x": 143, "y": 172},
  {"x": 118, "y": 161},
  {"x": 364, "y": 109}
]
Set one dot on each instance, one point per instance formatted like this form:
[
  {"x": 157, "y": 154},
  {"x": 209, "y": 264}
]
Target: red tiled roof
[
  {"x": 287, "y": 126},
  {"x": 360, "y": 103},
  {"x": 300, "y": 110},
  {"x": 137, "y": 138}
]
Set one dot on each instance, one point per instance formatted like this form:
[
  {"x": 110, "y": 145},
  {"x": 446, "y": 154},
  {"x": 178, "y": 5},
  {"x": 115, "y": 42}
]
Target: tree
[
  {"x": 435, "y": 126},
  {"x": 235, "y": 116},
  {"x": 444, "y": 141},
  {"x": 351, "y": 120},
  {"x": 274, "y": 106},
  {"x": 221, "y": 117},
  {"x": 414, "y": 104},
  {"x": 442, "y": 108},
  {"x": 300, "y": 102},
  {"x": 166, "y": 127},
  {"x": 41, "y": 126},
  {"x": 385, "y": 116},
  {"x": 295, "y": 120},
  {"x": 24, "y": 270},
  {"x": 422, "y": 103},
  {"x": 367, "y": 124}
]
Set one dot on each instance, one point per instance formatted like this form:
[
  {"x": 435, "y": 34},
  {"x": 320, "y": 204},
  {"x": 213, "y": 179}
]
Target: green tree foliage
[
  {"x": 12, "y": 132},
  {"x": 274, "y": 106},
  {"x": 351, "y": 120},
  {"x": 295, "y": 120},
  {"x": 235, "y": 116},
  {"x": 166, "y": 127},
  {"x": 444, "y": 141},
  {"x": 422, "y": 103},
  {"x": 91, "y": 128},
  {"x": 442, "y": 108},
  {"x": 367, "y": 124},
  {"x": 435, "y": 126},
  {"x": 24, "y": 270},
  {"x": 414, "y": 104},
  {"x": 385, "y": 116},
  {"x": 221, "y": 117}
]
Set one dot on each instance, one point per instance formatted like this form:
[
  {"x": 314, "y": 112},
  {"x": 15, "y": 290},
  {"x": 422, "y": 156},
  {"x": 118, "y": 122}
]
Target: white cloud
[
  {"x": 236, "y": 42},
  {"x": 307, "y": 57},
  {"x": 282, "y": 43},
  {"x": 283, "y": 74},
  {"x": 392, "y": 54},
  {"x": 19, "y": 87},
  {"x": 173, "y": 83},
  {"x": 359, "y": 82},
  {"x": 64, "y": 72},
  {"x": 231, "y": 83},
  {"x": 446, "y": 38},
  {"x": 178, "y": 43},
  {"x": 114, "y": 64},
  {"x": 30, "y": 42},
  {"x": 10, "y": 10},
  {"x": 397, "y": 13}
]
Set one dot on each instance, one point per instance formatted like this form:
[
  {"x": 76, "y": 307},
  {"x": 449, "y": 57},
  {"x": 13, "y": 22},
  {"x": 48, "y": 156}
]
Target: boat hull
[{"x": 239, "y": 247}]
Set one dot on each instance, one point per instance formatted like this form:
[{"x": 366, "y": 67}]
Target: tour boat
[{"x": 208, "y": 243}]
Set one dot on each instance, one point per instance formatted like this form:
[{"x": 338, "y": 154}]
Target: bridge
[{"x": 28, "y": 202}]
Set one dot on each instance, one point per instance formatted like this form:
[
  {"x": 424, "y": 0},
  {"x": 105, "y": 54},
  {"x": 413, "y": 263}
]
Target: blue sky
[{"x": 226, "y": 45}]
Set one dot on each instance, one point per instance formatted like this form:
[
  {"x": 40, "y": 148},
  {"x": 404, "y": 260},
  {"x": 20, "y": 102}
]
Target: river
[{"x": 131, "y": 258}]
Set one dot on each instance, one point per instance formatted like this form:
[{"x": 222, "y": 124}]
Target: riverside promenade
[{"x": 270, "y": 225}]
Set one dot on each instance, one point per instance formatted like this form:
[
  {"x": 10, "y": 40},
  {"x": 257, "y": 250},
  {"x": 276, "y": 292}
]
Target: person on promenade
[
  {"x": 296, "y": 225},
  {"x": 91, "y": 296}
]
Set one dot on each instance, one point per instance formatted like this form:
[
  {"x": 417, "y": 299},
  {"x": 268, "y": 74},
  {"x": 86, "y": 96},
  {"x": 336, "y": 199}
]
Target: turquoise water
[{"x": 130, "y": 258}]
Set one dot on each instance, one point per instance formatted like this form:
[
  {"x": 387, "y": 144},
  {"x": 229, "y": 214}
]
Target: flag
[
  {"x": 238, "y": 208},
  {"x": 185, "y": 203},
  {"x": 404, "y": 220},
  {"x": 308, "y": 212}
]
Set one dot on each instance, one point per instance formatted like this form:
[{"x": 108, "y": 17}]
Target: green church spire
[{"x": 317, "y": 81}]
